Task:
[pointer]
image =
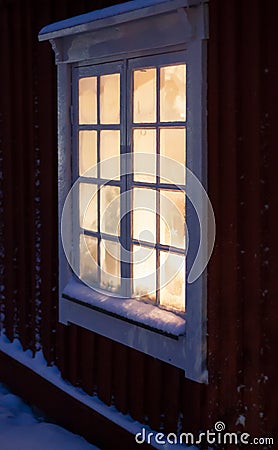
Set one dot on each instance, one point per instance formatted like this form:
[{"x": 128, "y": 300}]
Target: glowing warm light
[
  {"x": 144, "y": 143},
  {"x": 172, "y": 146},
  {"x": 87, "y": 151},
  {"x": 110, "y": 210},
  {"x": 172, "y": 281},
  {"x": 144, "y": 272},
  {"x": 88, "y": 268},
  {"x": 88, "y": 100},
  {"x": 158, "y": 211},
  {"x": 110, "y": 276},
  {"x": 110, "y": 148},
  {"x": 172, "y": 218},
  {"x": 110, "y": 98},
  {"x": 172, "y": 93},
  {"x": 88, "y": 206},
  {"x": 144, "y": 214},
  {"x": 144, "y": 96}
]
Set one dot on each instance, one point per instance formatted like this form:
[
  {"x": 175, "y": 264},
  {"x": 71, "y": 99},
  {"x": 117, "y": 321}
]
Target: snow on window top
[{"x": 105, "y": 13}]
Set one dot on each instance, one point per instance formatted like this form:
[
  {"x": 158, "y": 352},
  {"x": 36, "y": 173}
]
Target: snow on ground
[{"x": 21, "y": 429}]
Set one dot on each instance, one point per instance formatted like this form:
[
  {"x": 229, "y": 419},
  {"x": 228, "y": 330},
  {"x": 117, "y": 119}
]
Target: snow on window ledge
[{"x": 131, "y": 310}]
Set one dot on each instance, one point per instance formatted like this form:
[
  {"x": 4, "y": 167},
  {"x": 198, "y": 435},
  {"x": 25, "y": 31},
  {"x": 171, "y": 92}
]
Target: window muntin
[
  {"x": 155, "y": 125},
  {"x": 99, "y": 139}
]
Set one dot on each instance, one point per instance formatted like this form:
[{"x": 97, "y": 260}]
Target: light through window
[{"x": 132, "y": 234}]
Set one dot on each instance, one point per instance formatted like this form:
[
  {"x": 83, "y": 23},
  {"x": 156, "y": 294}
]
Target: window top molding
[
  {"x": 113, "y": 15},
  {"x": 136, "y": 28}
]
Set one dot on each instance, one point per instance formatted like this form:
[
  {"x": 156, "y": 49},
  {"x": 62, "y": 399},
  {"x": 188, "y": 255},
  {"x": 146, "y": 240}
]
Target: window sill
[
  {"x": 161, "y": 336},
  {"x": 133, "y": 311}
]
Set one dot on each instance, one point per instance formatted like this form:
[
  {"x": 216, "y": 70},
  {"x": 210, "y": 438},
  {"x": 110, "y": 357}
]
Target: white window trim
[{"x": 187, "y": 351}]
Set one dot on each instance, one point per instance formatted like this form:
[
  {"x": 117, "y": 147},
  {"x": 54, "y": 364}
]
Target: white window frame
[{"x": 187, "y": 351}]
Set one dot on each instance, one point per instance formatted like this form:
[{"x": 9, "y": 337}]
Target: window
[
  {"x": 131, "y": 113},
  {"x": 131, "y": 228}
]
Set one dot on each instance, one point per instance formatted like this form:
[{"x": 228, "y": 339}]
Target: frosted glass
[
  {"x": 110, "y": 265},
  {"x": 172, "y": 281},
  {"x": 144, "y": 96},
  {"x": 144, "y": 148},
  {"x": 88, "y": 206},
  {"x": 172, "y": 147},
  {"x": 144, "y": 272},
  {"x": 88, "y": 267},
  {"x": 88, "y": 100},
  {"x": 110, "y": 210},
  {"x": 110, "y": 98},
  {"x": 144, "y": 214},
  {"x": 172, "y": 218},
  {"x": 87, "y": 152},
  {"x": 172, "y": 93},
  {"x": 110, "y": 148}
]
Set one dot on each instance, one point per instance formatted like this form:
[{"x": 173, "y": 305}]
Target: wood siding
[{"x": 243, "y": 282}]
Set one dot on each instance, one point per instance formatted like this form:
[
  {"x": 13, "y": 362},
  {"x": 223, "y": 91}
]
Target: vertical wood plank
[
  {"x": 153, "y": 392},
  {"x": 229, "y": 350},
  {"x": 19, "y": 167},
  {"x": 214, "y": 189},
  {"x": 7, "y": 276},
  {"x": 47, "y": 114},
  {"x": 136, "y": 384},
  {"x": 88, "y": 361},
  {"x": 268, "y": 182},
  {"x": 171, "y": 398},
  {"x": 104, "y": 368},
  {"x": 250, "y": 214},
  {"x": 120, "y": 377}
]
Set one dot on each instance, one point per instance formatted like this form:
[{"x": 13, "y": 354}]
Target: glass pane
[
  {"x": 88, "y": 100},
  {"x": 144, "y": 148},
  {"x": 110, "y": 265},
  {"x": 172, "y": 281},
  {"x": 88, "y": 269},
  {"x": 110, "y": 98},
  {"x": 144, "y": 214},
  {"x": 110, "y": 148},
  {"x": 172, "y": 147},
  {"x": 110, "y": 210},
  {"x": 88, "y": 206},
  {"x": 144, "y": 272},
  {"x": 87, "y": 153},
  {"x": 144, "y": 98},
  {"x": 172, "y": 93},
  {"x": 172, "y": 218}
]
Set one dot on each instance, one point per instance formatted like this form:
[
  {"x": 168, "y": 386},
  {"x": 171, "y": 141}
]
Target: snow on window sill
[{"x": 131, "y": 310}]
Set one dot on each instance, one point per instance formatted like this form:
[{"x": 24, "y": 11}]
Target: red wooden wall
[{"x": 242, "y": 157}]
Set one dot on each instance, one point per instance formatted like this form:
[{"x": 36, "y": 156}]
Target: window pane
[
  {"x": 144, "y": 148},
  {"x": 110, "y": 265},
  {"x": 88, "y": 259},
  {"x": 172, "y": 218},
  {"x": 172, "y": 281},
  {"x": 87, "y": 152},
  {"x": 144, "y": 214},
  {"x": 172, "y": 93},
  {"x": 110, "y": 148},
  {"x": 88, "y": 206},
  {"x": 172, "y": 147},
  {"x": 110, "y": 210},
  {"x": 144, "y": 272},
  {"x": 144, "y": 98},
  {"x": 110, "y": 98},
  {"x": 88, "y": 100}
]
